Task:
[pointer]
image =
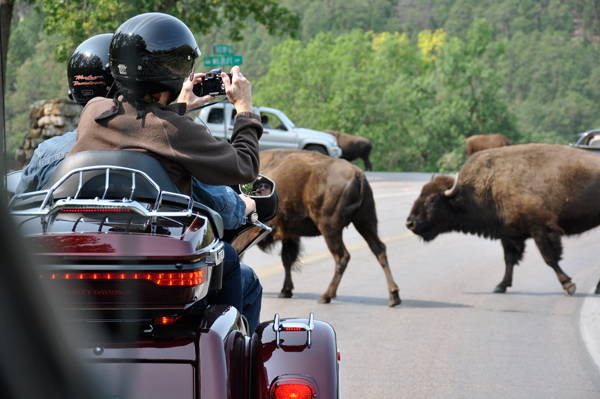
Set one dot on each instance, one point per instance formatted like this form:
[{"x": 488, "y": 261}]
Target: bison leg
[
  {"x": 290, "y": 250},
  {"x": 513, "y": 253},
  {"x": 549, "y": 243},
  {"x": 342, "y": 257},
  {"x": 368, "y": 164},
  {"x": 368, "y": 229}
]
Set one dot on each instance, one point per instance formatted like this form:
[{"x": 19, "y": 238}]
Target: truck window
[
  {"x": 215, "y": 116},
  {"x": 271, "y": 121}
]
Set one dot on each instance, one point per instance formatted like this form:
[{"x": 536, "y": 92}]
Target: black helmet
[
  {"x": 88, "y": 72},
  {"x": 156, "y": 49}
]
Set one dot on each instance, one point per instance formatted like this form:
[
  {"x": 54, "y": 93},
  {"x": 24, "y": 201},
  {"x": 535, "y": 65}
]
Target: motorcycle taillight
[
  {"x": 293, "y": 388},
  {"x": 182, "y": 279},
  {"x": 165, "y": 320},
  {"x": 95, "y": 209}
]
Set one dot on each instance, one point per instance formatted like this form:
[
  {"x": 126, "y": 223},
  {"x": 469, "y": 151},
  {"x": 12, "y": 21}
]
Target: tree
[
  {"x": 417, "y": 104},
  {"x": 6, "y": 12},
  {"x": 76, "y": 20}
]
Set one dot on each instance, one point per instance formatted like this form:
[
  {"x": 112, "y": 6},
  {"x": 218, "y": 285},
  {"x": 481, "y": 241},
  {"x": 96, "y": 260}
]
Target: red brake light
[
  {"x": 292, "y": 329},
  {"x": 95, "y": 209},
  {"x": 293, "y": 388},
  {"x": 165, "y": 321},
  {"x": 182, "y": 279}
]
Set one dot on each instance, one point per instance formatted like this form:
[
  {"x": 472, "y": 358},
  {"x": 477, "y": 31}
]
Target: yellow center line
[{"x": 278, "y": 267}]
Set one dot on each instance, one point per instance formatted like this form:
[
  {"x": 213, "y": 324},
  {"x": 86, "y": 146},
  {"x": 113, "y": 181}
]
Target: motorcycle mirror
[{"x": 262, "y": 187}]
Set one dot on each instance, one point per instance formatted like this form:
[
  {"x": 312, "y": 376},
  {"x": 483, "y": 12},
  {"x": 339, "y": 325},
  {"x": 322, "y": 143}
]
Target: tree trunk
[{"x": 6, "y": 12}]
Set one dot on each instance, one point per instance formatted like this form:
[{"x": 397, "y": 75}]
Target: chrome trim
[
  {"x": 46, "y": 209},
  {"x": 265, "y": 231},
  {"x": 215, "y": 255},
  {"x": 278, "y": 327}
]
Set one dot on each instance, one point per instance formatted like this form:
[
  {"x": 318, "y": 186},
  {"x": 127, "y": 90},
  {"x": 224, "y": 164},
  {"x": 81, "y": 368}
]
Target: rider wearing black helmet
[
  {"x": 88, "y": 71},
  {"x": 151, "y": 56},
  {"x": 152, "y": 53}
]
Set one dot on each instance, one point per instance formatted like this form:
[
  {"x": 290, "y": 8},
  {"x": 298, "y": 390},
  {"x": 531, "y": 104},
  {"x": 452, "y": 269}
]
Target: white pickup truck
[
  {"x": 279, "y": 130},
  {"x": 589, "y": 141}
]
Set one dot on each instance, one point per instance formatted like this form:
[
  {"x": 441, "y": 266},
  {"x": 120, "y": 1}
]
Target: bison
[
  {"x": 481, "y": 142},
  {"x": 354, "y": 147},
  {"x": 537, "y": 191},
  {"x": 319, "y": 195}
]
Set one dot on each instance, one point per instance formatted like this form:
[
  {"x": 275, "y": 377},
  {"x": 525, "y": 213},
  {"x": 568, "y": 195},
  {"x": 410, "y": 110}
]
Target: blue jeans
[
  {"x": 248, "y": 300},
  {"x": 252, "y": 296}
]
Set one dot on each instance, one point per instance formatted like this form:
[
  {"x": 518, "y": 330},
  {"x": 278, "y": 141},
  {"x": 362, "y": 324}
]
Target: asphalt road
[{"x": 451, "y": 337}]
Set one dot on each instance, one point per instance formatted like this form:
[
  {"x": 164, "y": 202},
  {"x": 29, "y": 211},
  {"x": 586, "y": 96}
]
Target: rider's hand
[
  {"x": 187, "y": 93},
  {"x": 250, "y": 204},
  {"x": 238, "y": 90}
]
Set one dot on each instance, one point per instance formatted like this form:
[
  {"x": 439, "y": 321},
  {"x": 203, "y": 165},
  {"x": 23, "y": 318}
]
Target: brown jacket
[{"x": 182, "y": 146}]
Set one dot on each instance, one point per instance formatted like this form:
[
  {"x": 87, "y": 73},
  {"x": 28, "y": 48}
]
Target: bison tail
[{"x": 354, "y": 191}]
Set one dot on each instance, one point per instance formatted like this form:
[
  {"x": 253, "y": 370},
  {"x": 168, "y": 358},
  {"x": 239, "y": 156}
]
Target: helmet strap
[{"x": 140, "y": 107}]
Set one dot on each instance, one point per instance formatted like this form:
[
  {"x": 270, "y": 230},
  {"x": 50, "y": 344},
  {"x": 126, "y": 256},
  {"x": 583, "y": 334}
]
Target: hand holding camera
[
  {"x": 204, "y": 87},
  {"x": 211, "y": 84},
  {"x": 238, "y": 90}
]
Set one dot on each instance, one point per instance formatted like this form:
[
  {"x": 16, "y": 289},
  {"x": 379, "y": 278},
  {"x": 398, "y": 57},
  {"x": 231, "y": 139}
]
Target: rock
[{"x": 47, "y": 119}]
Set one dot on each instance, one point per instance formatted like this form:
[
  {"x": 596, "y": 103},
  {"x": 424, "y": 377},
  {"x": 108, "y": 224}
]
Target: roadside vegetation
[{"x": 416, "y": 77}]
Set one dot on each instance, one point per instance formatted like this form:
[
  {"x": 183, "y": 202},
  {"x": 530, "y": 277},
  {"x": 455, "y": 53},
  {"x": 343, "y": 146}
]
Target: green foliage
[
  {"x": 32, "y": 74},
  {"x": 527, "y": 68},
  {"x": 77, "y": 20},
  {"x": 417, "y": 104}
]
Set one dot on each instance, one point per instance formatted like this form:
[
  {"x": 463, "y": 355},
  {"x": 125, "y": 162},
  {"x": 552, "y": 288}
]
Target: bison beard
[
  {"x": 534, "y": 191},
  {"x": 319, "y": 195}
]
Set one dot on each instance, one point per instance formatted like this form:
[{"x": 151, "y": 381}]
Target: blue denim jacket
[
  {"x": 51, "y": 152},
  {"x": 45, "y": 161}
]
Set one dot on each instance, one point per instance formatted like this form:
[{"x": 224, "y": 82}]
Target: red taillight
[
  {"x": 165, "y": 321},
  {"x": 183, "y": 279},
  {"x": 293, "y": 388},
  {"x": 95, "y": 209}
]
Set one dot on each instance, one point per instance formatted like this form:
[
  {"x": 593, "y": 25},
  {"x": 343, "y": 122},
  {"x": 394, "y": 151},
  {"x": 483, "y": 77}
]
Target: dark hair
[{"x": 139, "y": 92}]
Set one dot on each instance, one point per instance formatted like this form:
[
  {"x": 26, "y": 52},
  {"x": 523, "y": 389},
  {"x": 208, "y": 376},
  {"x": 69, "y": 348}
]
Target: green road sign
[
  {"x": 223, "y": 49},
  {"x": 223, "y": 60}
]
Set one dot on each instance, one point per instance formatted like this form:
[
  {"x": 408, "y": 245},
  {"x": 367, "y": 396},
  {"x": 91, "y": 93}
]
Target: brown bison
[
  {"x": 535, "y": 190},
  {"x": 481, "y": 142},
  {"x": 319, "y": 195},
  {"x": 354, "y": 147}
]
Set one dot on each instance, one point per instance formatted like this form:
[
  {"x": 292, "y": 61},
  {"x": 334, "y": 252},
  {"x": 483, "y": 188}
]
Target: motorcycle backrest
[
  {"x": 120, "y": 183},
  {"x": 129, "y": 159}
]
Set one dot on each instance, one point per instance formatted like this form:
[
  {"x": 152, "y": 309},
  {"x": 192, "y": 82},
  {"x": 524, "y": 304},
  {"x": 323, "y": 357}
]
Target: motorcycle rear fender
[
  {"x": 207, "y": 360},
  {"x": 297, "y": 356}
]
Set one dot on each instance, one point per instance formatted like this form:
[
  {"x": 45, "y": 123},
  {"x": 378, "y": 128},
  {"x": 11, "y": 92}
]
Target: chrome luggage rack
[{"x": 50, "y": 206}]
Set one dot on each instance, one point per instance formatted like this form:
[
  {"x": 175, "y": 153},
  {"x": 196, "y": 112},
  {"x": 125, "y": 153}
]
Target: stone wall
[{"x": 47, "y": 119}]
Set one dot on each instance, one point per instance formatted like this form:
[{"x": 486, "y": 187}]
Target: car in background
[
  {"x": 279, "y": 130},
  {"x": 589, "y": 141}
]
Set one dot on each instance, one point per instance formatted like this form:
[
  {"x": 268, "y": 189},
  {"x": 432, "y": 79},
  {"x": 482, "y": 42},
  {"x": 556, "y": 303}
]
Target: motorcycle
[{"x": 132, "y": 261}]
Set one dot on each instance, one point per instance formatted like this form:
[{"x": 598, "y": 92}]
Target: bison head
[{"x": 432, "y": 212}]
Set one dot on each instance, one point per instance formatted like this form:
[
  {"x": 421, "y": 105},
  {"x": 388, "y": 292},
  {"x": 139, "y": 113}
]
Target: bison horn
[
  {"x": 432, "y": 177},
  {"x": 450, "y": 192}
]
